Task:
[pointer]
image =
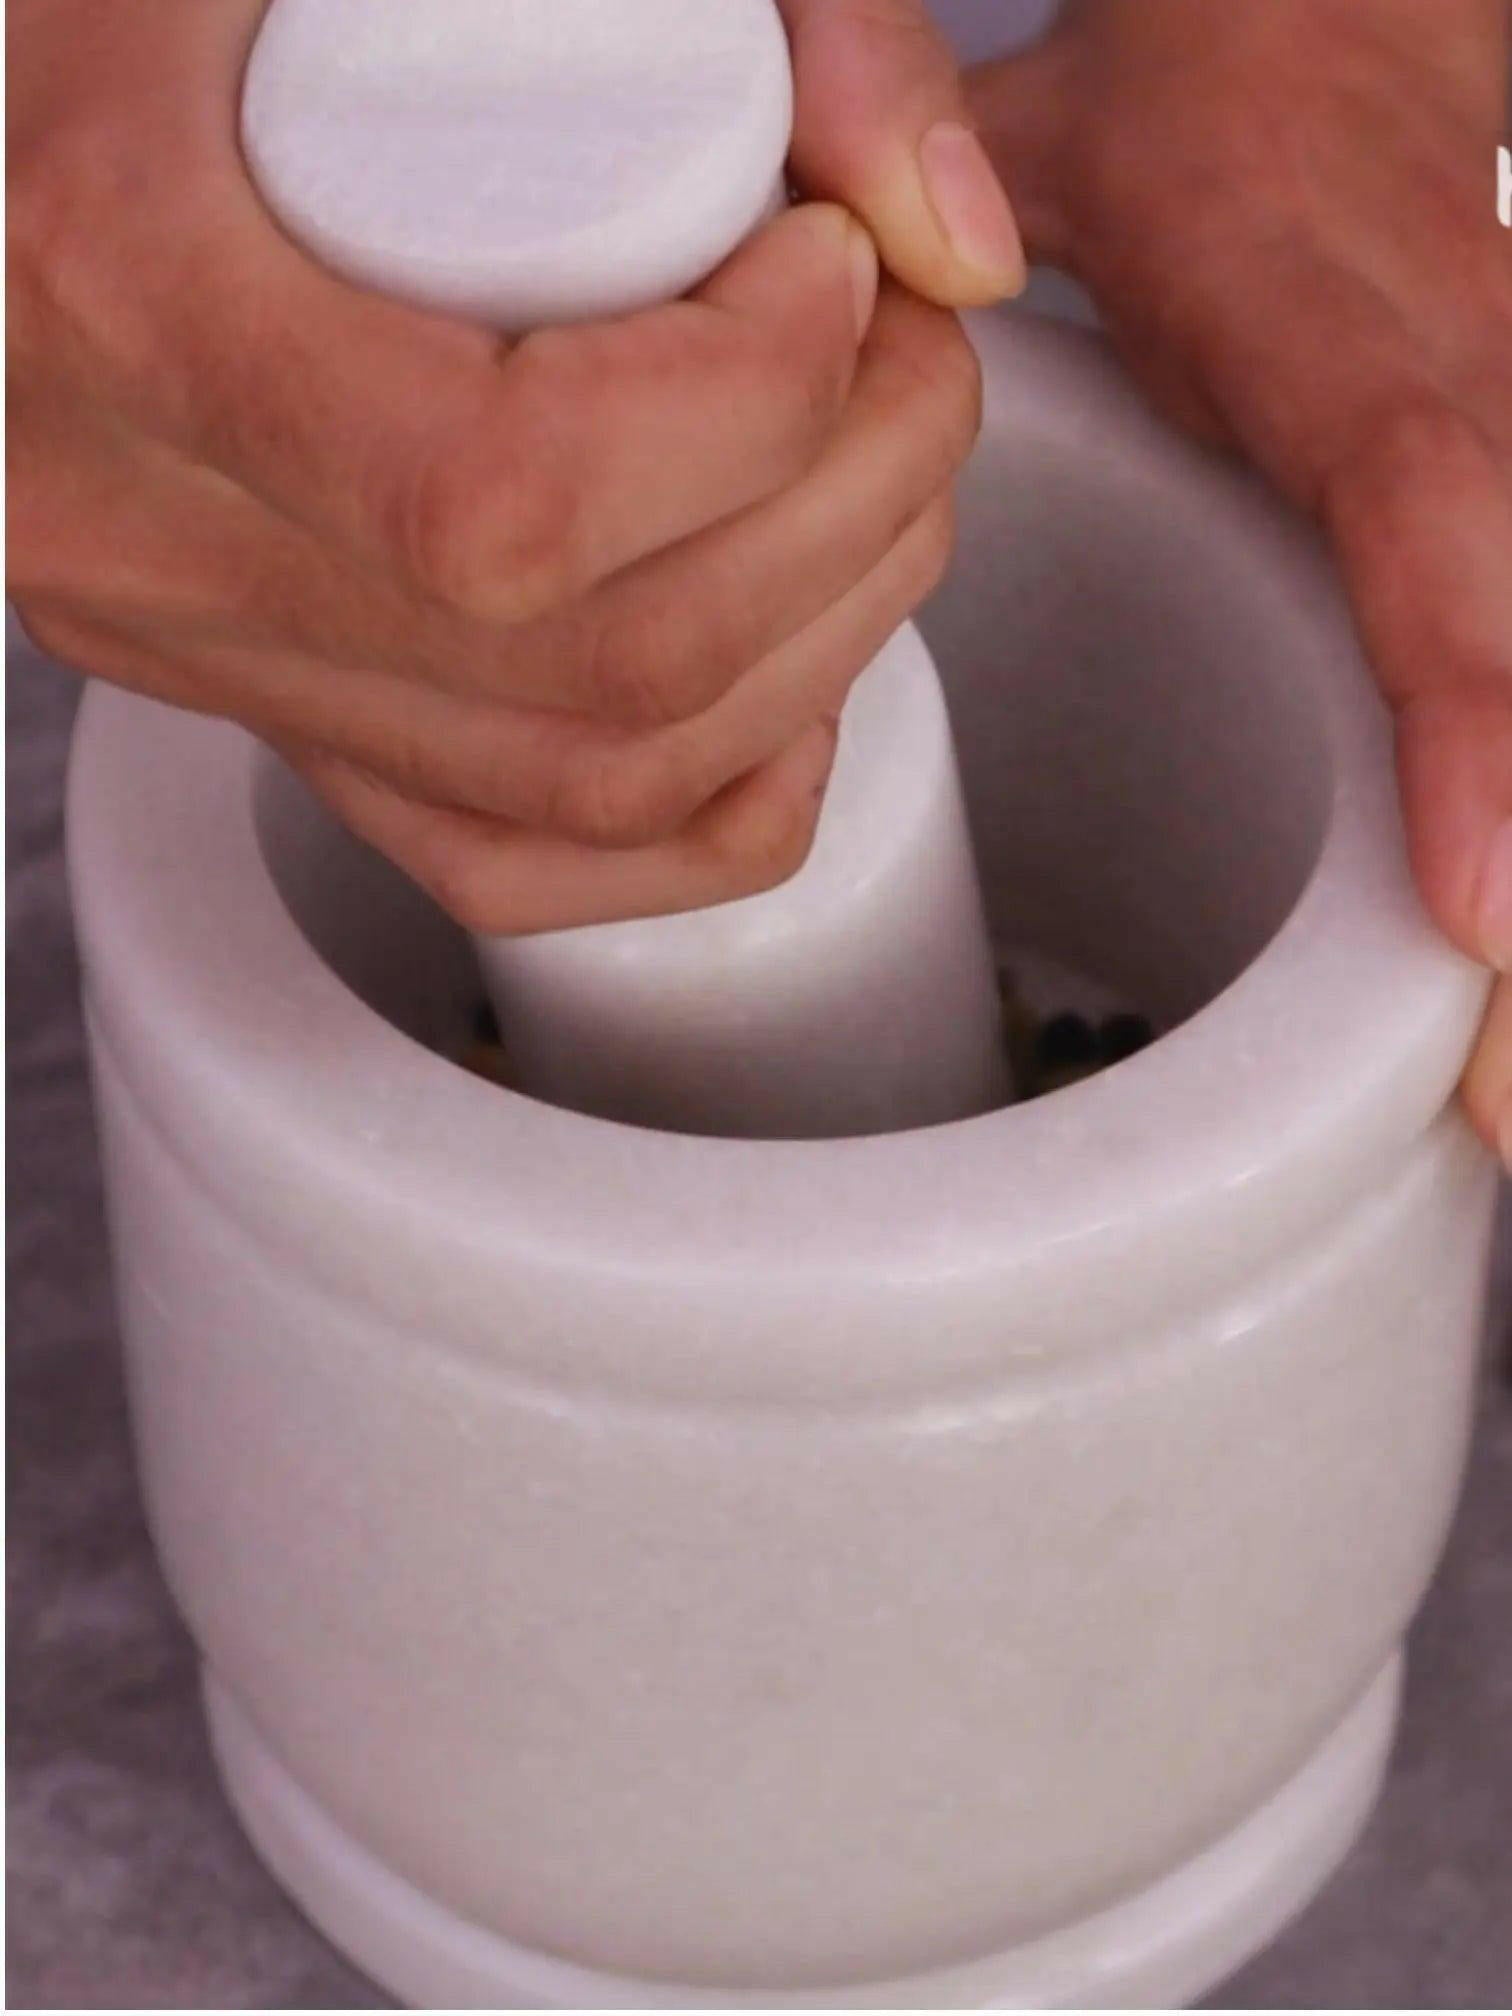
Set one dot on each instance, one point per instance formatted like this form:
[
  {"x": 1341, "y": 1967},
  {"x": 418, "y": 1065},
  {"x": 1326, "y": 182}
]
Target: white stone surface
[
  {"x": 858, "y": 997},
  {"x": 789, "y": 1566},
  {"x": 533, "y": 164},
  {"x": 1155, "y": 1950},
  {"x": 526, "y": 164}
]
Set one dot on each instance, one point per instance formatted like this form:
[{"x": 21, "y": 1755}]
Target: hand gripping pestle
[{"x": 530, "y": 162}]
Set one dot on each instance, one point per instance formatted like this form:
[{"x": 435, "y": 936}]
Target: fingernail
[
  {"x": 863, "y": 265},
  {"x": 1495, "y": 920},
  {"x": 969, "y": 202}
]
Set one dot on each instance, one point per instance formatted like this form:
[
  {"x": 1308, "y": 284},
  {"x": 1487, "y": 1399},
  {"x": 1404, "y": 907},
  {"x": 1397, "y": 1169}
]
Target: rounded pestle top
[{"x": 523, "y": 162}]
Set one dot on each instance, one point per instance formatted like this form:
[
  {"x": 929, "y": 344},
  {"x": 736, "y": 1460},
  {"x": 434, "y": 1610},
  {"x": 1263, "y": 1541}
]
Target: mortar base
[{"x": 1162, "y": 1948}]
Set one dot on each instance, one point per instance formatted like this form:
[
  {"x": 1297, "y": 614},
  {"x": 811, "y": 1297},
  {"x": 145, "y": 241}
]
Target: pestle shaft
[{"x": 556, "y": 163}]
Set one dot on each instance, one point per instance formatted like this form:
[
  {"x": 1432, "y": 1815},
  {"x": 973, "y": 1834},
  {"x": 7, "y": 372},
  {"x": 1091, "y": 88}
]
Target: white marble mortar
[{"x": 954, "y": 1568}]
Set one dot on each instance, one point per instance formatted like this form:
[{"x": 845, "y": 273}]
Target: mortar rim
[{"x": 1170, "y": 1174}]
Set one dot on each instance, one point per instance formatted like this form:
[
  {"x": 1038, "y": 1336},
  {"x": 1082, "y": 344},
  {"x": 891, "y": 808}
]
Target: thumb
[{"x": 881, "y": 125}]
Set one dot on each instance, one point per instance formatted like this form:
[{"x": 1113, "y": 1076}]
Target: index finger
[{"x": 495, "y": 479}]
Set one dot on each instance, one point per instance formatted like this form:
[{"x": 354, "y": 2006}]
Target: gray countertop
[{"x": 130, "y": 1885}]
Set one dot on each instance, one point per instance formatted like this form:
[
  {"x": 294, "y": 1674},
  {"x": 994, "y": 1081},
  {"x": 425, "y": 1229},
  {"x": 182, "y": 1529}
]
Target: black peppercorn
[
  {"x": 1120, "y": 1036},
  {"x": 1066, "y": 1043},
  {"x": 485, "y": 1024}
]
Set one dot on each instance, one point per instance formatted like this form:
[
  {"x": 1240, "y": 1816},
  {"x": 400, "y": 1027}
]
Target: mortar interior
[{"x": 1146, "y": 763}]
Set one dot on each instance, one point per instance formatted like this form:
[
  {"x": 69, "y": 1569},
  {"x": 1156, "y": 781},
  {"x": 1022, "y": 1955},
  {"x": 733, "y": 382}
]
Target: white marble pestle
[{"x": 528, "y": 164}]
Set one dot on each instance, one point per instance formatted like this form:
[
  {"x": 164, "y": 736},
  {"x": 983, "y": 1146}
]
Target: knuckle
[
  {"x": 78, "y": 184},
  {"x": 51, "y": 281},
  {"x": 822, "y": 383},
  {"x": 49, "y": 197},
  {"x": 916, "y": 566},
  {"x": 939, "y": 378},
  {"x": 627, "y": 674},
  {"x": 434, "y": 532},
  {"x": 493, "y": 537},
  {"x": 766, "y": 845},
  {"x": 406, "y": 764},
  {"x": 955, "y": 374},
  {"x": 461, "y": 877},
  {"x": 620, "y": 798},
  {"x": 803, "y": 380},
  {"x": 651, "y": 664}
]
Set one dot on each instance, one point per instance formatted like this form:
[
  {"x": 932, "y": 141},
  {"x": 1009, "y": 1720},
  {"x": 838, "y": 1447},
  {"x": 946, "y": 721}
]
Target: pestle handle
[{"x": 530, "y": 162}]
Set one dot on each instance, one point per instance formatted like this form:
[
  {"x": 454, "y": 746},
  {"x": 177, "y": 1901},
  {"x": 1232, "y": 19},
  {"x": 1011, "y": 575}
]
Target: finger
[
  {"x": 881, "y": 124},
  {"x": 498, "y": 879},
  {"x": 1422, "y": 520},
  {"x": 593, "y": 782},
  {"x": 649, "y": 788},
  {"x": 499, "y": 482},
  {"x": 152, "y": 543},
  {"x": 278, "y": 696},
  {"x": 1454, "y": 758},
  {"x": 662, "y": 641},
  {"x": 1488, "y": 1083},
  {"x": 608, "y": 786},
  {"x": 596, "y": 782},
  {"x": 193, "y": 561},
  {"x": 665, "y": 640},
  {"x": 1339, "y": 407}
]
